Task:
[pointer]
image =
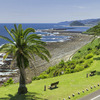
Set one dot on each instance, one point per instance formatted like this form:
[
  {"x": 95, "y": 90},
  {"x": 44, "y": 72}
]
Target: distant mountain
[
  {"x": 90, "y": 22},
  {"x": 76, "y": 23}
]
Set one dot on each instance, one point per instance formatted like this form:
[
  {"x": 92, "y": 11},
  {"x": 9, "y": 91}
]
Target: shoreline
[{"x": 60, "y": 51}]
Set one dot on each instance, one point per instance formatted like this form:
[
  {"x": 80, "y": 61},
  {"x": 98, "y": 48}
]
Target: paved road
[{"x": 92, "y": 96}]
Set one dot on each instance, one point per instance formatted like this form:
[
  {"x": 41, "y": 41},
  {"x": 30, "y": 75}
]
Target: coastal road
[{"x": 92, "y": 96}]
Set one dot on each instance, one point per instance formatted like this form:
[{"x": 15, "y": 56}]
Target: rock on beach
[{"x": 60, "y": 50}]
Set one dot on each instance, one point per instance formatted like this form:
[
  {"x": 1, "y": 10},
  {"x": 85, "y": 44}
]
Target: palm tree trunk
[{"x": 22, "y": 84}]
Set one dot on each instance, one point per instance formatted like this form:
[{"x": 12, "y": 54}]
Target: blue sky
[{"x": 47, "y": 11}]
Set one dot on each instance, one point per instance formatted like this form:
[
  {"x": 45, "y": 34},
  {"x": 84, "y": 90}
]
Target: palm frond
[
  {"x": 33, "y": 37},
  {"x": 44, "y": 50},
  {"x": 35, "y": 42},
  {"x": 9, "y": 33},
  {"x": 5, "y": 38},
  {"x": 20, "y": 29},
  {"x": 14, "y": 33},
  {"x": 27, "y": 31},
  {"x": 30, "y": 52},
  {"x": 15, "y": 27},
  {"x": 6, "y": 55}
]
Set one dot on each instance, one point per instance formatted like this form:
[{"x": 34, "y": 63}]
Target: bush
[
  {"x": 97, "y": 52},
  {"x": 61, "y": 64},
  {"x": 50, "y": 69},
  {"x": 73, "y": 62},
  {"x": 79, "y": 51},
  {"x": 68, "y": 71},
  {"x": 89, "y": 56},
  {"x": 42, "y": 76},
  {"x": 78, "y": 68},
  {"x": 97, "y": 46},
  {"x": 86, "y": 65},
  {"x": 8, "y": 82},
  {"x": 89, "y": 61},
  {"x": 72, "y": 66},
  {"x": 81, "y": 61},
  {"x": 89, "y": 49},
  {"x": 34, "y": 78}
]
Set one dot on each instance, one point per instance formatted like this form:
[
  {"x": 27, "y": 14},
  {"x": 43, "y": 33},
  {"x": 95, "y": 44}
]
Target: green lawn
[{"x": 68, "y": 84}]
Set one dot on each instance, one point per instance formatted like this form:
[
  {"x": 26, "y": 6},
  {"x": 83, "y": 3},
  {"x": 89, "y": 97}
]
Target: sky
[{"x": 47, "y": 11}]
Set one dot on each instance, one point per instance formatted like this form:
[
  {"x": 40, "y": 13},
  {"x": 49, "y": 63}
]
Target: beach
[{"x": 60, "y": 51}]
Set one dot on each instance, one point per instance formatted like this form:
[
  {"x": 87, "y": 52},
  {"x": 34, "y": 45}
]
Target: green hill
[
  {"x": 76, "y": 23},
  {"x": 94, "y": 30}
]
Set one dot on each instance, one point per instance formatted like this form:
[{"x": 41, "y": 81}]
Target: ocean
[{"x": 46, "y": 37}]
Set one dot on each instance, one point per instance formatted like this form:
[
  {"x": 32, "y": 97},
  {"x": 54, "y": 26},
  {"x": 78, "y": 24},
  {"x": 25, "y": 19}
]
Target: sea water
[{"x": 46, "y": 37}]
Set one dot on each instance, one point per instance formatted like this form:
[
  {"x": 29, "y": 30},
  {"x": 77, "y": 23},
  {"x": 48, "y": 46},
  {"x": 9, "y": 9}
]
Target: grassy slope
[
  {"x": 84, "y": 48},
  {"x": 69, "y": 83}
]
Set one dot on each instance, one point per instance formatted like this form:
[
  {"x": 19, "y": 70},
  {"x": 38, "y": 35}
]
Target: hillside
[
  {"x": 68, "y": 84},
  {"x": 94, "y": 30},
  {"x": 89, "y": 22},
  {"x": 76, "y": 23},
  {"x": 80, "y": 61}
]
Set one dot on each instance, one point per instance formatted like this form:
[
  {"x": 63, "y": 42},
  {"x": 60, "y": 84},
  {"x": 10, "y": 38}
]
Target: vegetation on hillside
[
  {"x": 68, "y": 84},
  {"x": 76, "y": 23},
  {"x": 94, "y": 30},
  {"x": 23, "y": 48},
  {"x": 81, "y": 60}
]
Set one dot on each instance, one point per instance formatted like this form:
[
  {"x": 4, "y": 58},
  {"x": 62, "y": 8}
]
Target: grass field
[{"x": 68, "y": 84}]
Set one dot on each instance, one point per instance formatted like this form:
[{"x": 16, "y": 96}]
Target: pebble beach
[{"x": 60, "y": 50}]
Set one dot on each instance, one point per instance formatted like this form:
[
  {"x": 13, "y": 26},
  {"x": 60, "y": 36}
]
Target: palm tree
[{"x": 23, "y": 47}]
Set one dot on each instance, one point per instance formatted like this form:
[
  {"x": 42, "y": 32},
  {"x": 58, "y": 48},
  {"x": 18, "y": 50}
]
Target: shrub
[
  {"x": 72, "y": 70},
  {"x": 73, "y": 62},
  {"x": 76, "y": 57},
  {"x": 81, "y": 61},
  {"x": 97, "y": 46},
  {"x": 8, "y": 82},
  {"x": 55, "y": 73},
  {"x": 50, "y": 69},
  {"x": 72, "y": 66},
  {"x": 86, "y": 65},
  {"x": 89, "y": 56},
  {"x": 62, "y": 63},
  {"x": 89, "y": 48},
  {"x": 97, "y": 52},
  {"x": 90, "y": 60},
  {"x": 78, "y": 68},
  {"x": 34, "y": 78},
  {"x": 68, "y": 71},
  {"x": 79, "y": 51},
  {"x": 42, "y": 76}
]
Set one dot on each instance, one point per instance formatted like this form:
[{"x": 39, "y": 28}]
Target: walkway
[{"x": 92, "y": 96}]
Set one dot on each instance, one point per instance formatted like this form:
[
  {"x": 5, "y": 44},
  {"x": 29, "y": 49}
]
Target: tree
[
  {"x": 22, "y": 47},
  {"x": 94, "y": 30}
]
